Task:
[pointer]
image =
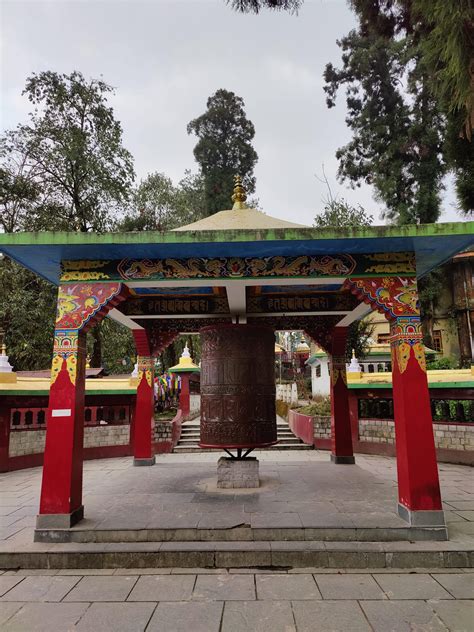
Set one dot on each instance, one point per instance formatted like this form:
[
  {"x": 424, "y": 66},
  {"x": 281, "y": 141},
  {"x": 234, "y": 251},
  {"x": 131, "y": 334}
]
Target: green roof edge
[{"x": 75, "y": 238}]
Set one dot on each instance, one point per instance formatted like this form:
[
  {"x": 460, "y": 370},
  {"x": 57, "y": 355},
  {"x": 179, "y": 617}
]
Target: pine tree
[{"x": 224, "y": 148}]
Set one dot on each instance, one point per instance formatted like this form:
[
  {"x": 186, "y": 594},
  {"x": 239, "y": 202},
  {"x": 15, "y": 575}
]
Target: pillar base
[
  {"x": 140, "y": 462},
  {"x": 342, "y": 460},
  {"x": 60, "y": 521},
  {"x": 237, "y": 473},
  {"x": 422, "y": 518}
]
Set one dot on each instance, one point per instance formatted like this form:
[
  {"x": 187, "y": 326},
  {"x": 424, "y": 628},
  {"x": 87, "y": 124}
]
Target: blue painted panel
[{"x": 431, "y": 251}]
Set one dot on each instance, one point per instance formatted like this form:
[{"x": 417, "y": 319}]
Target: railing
[
  {"x": 35, "y": 418},
  {"x": 447, "y": 410}
]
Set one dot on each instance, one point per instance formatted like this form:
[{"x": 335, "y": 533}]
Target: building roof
[
  {"x": 239, "y": 219},
  {"x": 113, "y": 385},
  {"x": 43, "y": 252},
  {"x": 450, "y": 378}
]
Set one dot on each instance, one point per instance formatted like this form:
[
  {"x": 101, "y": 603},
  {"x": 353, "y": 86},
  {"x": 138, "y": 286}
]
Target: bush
[
  {"x": 282, "y": 408},
  {"x": 321, "y": 406},
  {"x": 442, "y": 364}
]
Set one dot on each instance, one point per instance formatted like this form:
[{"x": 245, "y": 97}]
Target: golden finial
[
  {"x": 4, "y": 349},
  {"x": 239, "y": 196}
]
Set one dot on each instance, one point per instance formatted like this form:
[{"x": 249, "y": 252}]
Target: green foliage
[
  {"x": 159, "y": 205},
  {"x": 447, "y": 45},
  {"x": 255, "y": 6},
  {"x": 27, "y": 313},
  {"x": 224, "y": 148},
  {"x": 442, "y": 364},
  {"x": 321, "y": 406},
  {"x": 18, "y": 192},
  {"x": 73, "y": 147},
  {"x": 341, "y": 213},
  {"x": 118, "y": 354},
  {"x": 65, "y": 170},
  {"x": 397, "y": 128}
]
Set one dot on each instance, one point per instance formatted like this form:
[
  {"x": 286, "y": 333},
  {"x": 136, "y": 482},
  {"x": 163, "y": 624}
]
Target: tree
[
  {"x": 398, "y": 129},
  {"x": 255, "y": 6},
  {"x": 409, "y": 74},
  {"x": 73, "y": 144},
  {"x": 340, "y": 213},
  {"x": 27, "y": 312},
  {"x": 65, "y": 170},
  {"x": 159, "y": 205},
  {"x": 224, "y": 148}
]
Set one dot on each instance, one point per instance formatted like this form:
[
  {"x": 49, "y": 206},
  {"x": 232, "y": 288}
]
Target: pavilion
[{"x": 239, "y": 266}]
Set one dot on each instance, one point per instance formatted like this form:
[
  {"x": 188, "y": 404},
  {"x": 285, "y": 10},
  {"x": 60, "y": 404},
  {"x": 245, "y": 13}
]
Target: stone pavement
[
  {"x": 236, "y": 600},
  {"x": 299, "y": 490}
]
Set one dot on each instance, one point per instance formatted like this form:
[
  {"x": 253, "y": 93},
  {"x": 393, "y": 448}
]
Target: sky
[{"x": 166, "y": 57}]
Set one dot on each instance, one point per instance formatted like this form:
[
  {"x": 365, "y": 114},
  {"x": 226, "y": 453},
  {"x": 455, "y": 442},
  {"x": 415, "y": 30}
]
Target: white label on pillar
[{"x": 61, "y": 412}]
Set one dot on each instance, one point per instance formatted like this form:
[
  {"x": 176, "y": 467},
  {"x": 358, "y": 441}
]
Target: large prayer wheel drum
[{"x": 237, "y": 386}]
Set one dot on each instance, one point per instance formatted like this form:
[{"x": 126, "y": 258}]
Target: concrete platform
[{"x": 308, "y": 512}]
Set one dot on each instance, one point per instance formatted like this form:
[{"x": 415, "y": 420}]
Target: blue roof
[{"x": 433, "y": 244}]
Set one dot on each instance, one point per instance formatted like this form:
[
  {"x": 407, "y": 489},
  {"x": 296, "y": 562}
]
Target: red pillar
[
  {"x": 341, "y": 434},
  {"x": 5, "y": 415},
  {"x": 184, "y": 401},
  {"x": 61, "y": 489},
  {"x": 79, "y": 307},
  {"x": 418, "y": 483},
  {"x": 143, "y": 415}
]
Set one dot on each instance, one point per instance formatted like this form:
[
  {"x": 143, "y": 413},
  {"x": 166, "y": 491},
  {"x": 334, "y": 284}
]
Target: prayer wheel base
[{"x": 237, "y": 473}]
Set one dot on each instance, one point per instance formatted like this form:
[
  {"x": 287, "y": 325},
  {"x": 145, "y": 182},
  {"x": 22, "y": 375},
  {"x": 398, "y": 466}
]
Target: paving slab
[
  {"x": 186, "y": 617},
  {"x": 402, "y": 616},
  {"x": 7, "y": 610},
  {"x": 41, "y": 588},
  {"x": 224, "y": 588},
  {"x": 8, "y": 581},
  {"x": 92, "y": 588},
  {"x": 458, "y": 615},
  {"x": 163, "y": 588},
  {"x": 258, "y": 616},
  {"x": 286, "y": 587},
  {"x": 403, "y": 586},
  {"x": 460, "y": 585},
  {"x": 116, "y": 617},
  {"x": 352, "y": 586},
  {"x": 334, "y": 616},
  {"x": 46, "y": 617}
]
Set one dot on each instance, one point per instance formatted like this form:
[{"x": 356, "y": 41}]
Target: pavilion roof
[{"x": 43, "y": 252}]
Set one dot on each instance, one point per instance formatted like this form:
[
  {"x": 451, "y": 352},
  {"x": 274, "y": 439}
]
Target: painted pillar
[
  {"x": 143, "y": 415},
  {"x": 61, "y": 489},
  {"x": 5, "y": 416},
  {"x": 79, "y": 307},
  {"x": 418, "y": 482},
  {"x": 184, "y": 396},
  {"x": 341, "y": 434}
]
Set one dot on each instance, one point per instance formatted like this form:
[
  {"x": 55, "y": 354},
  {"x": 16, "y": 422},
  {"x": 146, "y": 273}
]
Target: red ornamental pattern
[
  {"x": 392, "y": 296},
  {"x": 79, "y": 303}
]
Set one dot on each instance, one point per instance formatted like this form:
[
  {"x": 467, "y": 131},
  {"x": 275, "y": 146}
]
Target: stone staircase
[{"x": 286, "y": 439}]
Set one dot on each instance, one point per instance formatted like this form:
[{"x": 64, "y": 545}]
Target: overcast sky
[{"x": 166, "y": 57}]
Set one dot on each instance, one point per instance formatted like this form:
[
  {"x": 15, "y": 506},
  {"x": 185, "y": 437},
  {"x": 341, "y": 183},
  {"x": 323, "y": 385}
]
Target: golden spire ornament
[{"x": 239, "y": 196}]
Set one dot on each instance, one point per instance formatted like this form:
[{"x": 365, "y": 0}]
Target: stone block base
[
  {"x": 422, "y": 518},
  {"x": 237, "y": 473},
  {"x": 141, "y": 462},
  {"x": 59, "y": 521},
  {"x": 342, "y": 460}
]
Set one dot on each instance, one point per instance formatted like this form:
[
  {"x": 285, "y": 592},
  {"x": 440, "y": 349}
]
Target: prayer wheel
[{"x": 237, "y": 387}]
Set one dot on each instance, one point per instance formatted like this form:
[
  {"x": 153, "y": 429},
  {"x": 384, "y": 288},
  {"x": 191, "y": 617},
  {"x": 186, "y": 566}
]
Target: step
[
  {"x": 242, "y": 554},
  {"x": 268, "y": 555}
]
